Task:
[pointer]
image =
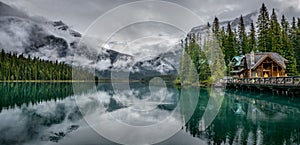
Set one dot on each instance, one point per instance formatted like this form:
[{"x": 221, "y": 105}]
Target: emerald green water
[{"x": 50, "y": 113}]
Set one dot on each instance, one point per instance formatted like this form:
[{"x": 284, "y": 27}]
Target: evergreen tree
[
  {"x": 294, "y": 25},
  {"x": 189, "y": 62},
  {"x": 203, "y": 67},
  {"x": 295, "y": 44},
  {"x": 297, "y": 47},
  {"x": 287, "y": 48},
  {"x": 223, "y": 39},
  {"x": 230, "y": 47},
  {"x": 236, "y": 41},
  {"x": 194, "y": 51},
  {"x": 216, "y": 28},
  {"x": 285, "y": 24},
  {"x": 208, "y": 25},
  {"x": 242, "y": 38},
  {"x": 14, "y": 67},
  {"x": 275, "y": 34},
  {"x": 216, "y": 59},
  {"x": 293, "y": 34},
  {"x": 252, "y": 38},
  {"x": 183, "y": 67},
  {"x": 263, "y": 29}
]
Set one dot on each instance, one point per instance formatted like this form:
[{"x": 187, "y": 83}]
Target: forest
[
  {"x": 268, "y": 34},
  {"x": 20, "y": 67}
]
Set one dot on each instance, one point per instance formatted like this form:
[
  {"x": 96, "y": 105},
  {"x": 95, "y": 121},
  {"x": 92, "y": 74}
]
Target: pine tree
[
  {"x": 287, "y": 48},
  {"x": 203, "y": 67},
  {"x": 223, "y": 39},
  {"x": 215, "y": 58},
  {"x": 293, "y": 38},
  {"x": 275, "y": 34},
  {"x": 294, "y": 25},
  {"x": 183, "y": 66},
  {"x": 252, "y": 38},
  {"x": 190, "y": 63},
  {"x": 194, "y": 51},
  {"x": 18, "y": 67},
  {"x": 285, "y": 24},
  {"x": 263, "y": 29},
  {"x": 293, "y": 34},
  {"x": 236, "y": 41},
  {"x": 230, "y": 47},
  {"x": 208, "y": 25},
  {"x": 216, "y": 28},
  {"x": 242, "y": 38},
  {"x": 297, "y": 47}
]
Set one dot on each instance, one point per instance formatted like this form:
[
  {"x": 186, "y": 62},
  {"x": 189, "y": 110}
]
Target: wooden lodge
[{"x": 257, "y": 65}]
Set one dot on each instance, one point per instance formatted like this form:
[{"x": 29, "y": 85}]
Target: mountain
[
  {"x": 55, "y": 40},
  {"x": 251, "y": 17}
]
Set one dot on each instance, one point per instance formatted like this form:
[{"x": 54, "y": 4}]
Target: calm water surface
[{"x": 50, "y": 113}]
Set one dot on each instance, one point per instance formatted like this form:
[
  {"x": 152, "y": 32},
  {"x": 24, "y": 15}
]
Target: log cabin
[{"x": 261, "y": 64}]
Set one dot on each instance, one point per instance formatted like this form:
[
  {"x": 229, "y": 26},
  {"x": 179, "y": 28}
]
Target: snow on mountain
[
  {"x": 164, "y": 64},
  {"x": 24, "y": 36},
  {"x": 50, "y": 40}
]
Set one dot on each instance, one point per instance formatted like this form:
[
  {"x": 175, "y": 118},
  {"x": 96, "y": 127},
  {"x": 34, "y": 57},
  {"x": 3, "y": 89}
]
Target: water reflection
[
  {"x": 250, "y": 118},
  {"x": 48, "y": 113},
  {"x": 143, "y": 111},
  {"x": 18, "y": 94}
]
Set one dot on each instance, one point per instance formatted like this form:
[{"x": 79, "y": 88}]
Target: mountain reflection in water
[{"x": 50, "y": 113}]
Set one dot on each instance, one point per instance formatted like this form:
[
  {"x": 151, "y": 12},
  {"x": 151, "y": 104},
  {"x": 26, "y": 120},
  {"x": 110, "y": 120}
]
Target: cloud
[
  {"x": 78, "y": 13},
  {"x": 228, "y": 9},
  {"x": 81, "y": 14},
  {"x": 124, "y": 36},
  {"x": 145, "y": 40}
]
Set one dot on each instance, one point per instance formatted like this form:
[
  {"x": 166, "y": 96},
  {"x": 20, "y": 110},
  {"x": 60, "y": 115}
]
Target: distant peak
[{"x": 248, "y": 19}]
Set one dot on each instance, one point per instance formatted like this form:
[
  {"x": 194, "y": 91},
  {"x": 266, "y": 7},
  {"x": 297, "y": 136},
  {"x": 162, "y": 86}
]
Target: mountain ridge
[
  {"x": 55, "y": 40},
  {"x": 248, "y": 18}
]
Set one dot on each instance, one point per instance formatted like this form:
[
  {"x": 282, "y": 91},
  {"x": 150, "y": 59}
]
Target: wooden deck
[
  {"x": 271, "y": 81},
  {"x": 273, "y": 84}
]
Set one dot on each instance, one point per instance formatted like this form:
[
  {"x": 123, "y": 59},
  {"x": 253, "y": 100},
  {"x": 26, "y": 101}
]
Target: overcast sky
[
  {"x": 129, "y": 26},
  {"x": 81, "y": 13}
]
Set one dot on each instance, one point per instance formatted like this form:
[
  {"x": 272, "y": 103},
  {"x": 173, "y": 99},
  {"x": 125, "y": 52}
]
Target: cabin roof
[
  {"x": 238, "y": 60},
  {"x": 259, "y": 57}
]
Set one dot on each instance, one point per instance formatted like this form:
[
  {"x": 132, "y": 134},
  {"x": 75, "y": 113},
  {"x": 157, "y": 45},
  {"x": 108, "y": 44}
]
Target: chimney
[{"x": 252, "y": 58}]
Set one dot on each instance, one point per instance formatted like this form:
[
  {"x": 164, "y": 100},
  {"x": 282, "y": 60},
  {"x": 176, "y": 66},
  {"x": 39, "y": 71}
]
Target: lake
[{"x": 142, "y": 113}]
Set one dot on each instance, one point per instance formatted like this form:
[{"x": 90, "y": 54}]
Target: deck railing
[{"x": 281, "y": 81}]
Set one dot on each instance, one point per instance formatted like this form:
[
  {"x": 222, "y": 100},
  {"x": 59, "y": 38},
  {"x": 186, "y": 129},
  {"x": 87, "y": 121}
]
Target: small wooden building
[{"x": 262, "y": 64}]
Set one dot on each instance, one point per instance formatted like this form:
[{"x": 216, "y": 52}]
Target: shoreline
[
  {"x": 67, "y": 81},
  {"x": 94, "y": 81}
]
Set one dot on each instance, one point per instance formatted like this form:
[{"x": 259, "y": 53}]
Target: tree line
[
  {"x": 266, "y": 35},
  {"x": 20, "y": 67},
  {"x": 201, "y": 63}
]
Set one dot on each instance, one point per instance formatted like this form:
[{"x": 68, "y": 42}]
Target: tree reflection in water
[
  {"x": 249, "y": 118},
  {"x": 243, "y": 118}
]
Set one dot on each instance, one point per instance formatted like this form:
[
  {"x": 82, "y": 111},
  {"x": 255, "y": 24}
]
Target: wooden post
[
  {"x": 250, "y": 73},
  {"x": 272, "y": 70}
]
